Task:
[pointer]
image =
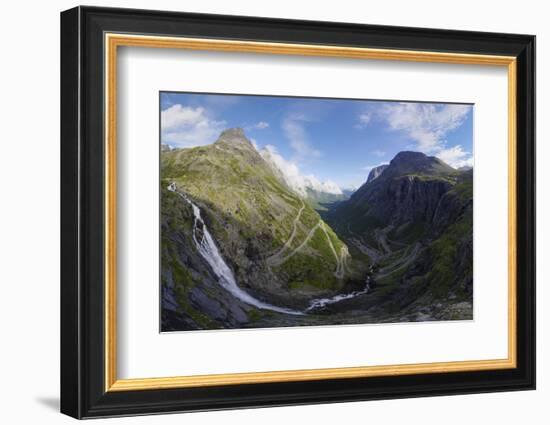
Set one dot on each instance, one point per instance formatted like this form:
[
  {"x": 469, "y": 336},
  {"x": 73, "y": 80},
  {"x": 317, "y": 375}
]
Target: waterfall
[{"x": 209, "y": 251}]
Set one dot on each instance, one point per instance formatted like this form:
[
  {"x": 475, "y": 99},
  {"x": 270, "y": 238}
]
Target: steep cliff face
[
  {"x": 375, "y": 172},
  {"x": 438, "y": 283},
  {"x": 404, "y": 196},
  {"x": 454, "y": 202},
  {"x": 405, "y": 199},
  {"x": 414, "y": 221}
]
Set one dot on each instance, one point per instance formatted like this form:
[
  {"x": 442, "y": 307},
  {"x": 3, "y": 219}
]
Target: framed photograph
[{"x": 261, "y": 212}]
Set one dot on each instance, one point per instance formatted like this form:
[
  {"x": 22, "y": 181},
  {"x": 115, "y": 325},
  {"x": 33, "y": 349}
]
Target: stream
[{"x": 323, "y": 302}]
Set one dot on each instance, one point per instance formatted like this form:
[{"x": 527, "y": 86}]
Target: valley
[{"x": 240, "y": 247}]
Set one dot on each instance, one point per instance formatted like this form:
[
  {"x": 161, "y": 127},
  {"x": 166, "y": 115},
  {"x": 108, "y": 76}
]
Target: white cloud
[
  {"x": 255, "y": 144},
  {"x": 293, "y": 127},
  {"x": 364, "y": 120},
  {"x": 261, "y": 125},
  {"x": 185, "y": 126},
  {"x": 292, "y": 176},
  {"x": 456, "y": 157},
  {"x": 178, "y": 115},
  {"x": 426, "y": 124}
]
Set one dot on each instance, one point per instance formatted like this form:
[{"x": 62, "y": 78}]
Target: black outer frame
[{"x": 82, "y": 219}]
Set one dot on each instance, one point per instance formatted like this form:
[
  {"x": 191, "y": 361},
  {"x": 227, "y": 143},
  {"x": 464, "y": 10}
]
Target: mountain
[
  {"x": 414, "y": 221},
  {"x": 228, "y": 217},
  {"x": 242, "y": 247},
  {"x": 375, "y": 172},
  {"x": 404, "y": 194}
]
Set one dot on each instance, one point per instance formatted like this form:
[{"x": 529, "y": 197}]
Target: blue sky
[{"x": 333, "y": 140}]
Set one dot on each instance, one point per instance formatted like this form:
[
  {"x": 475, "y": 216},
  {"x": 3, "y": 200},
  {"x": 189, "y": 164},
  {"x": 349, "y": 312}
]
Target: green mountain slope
[{"x": 277, "y": 246}]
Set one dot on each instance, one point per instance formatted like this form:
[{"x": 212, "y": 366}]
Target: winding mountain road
[
  {"x": 357, "y": 241},
  {"x": 277, "y": 260},
  {"x": 383, "y": 251},
  {"x": 283, "y": 255},
  {"x": 275, "y": 257},
  {"x": 400, "y": 263},
  {"x": 340, "y": 259}
]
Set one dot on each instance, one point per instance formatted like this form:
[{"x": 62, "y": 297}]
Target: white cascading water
[
  {"x": 209, "y": 251},
  {"x": 322, "y": 302}
]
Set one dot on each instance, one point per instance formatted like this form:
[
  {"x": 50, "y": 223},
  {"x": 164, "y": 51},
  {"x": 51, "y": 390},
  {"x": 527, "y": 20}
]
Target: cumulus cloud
[
  {"x": 427, "y": 125},
  {"x": 255, "y": 144},
  {"x": 294, "y": 130},
  {"x": 260, "y": 125},
  {"x": 456, "y": 157},
  {"x": 292, "y": 176},
  {"x": 186, "y": 126}
]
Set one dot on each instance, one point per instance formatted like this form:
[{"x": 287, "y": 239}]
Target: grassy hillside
[{"x": 276, "y": 244}]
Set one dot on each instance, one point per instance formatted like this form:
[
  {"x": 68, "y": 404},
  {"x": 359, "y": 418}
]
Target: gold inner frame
[{"x": 113, "y": 41}]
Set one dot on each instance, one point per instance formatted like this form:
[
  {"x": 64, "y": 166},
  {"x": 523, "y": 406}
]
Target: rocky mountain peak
[
  {"x": 234, "y": 136},
  {"x": 233, "y": 132},
  {"x": 408, "y": 162},
  {"x": 409, "y": 156}
]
